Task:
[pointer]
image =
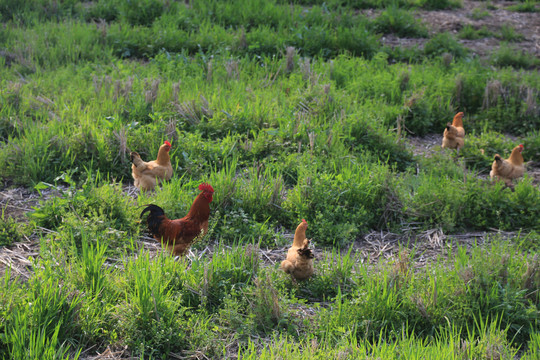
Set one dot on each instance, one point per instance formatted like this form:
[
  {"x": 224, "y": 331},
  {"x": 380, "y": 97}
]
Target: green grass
[
  {"x": 470, "y": 33},
  {"x": 486, "y": 298},
  {"x": 507, "y": 55},
  {"x": 291, "y": 110},
  {"x": 10, "y": 230},
  {"x": 393, "y": 20},
  {"x": 526, "y": 6},
  {"x": 479, "y": 13},
  {"x": 508, "y": 33}
]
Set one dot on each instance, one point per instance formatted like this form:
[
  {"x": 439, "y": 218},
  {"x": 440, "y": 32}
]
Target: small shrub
[
  {"x": 509, "y": 56},
  {"x": 103, "y": 9},
  {"x": 444, "y": 43},
  {"x": 263, "y": 41},
  {"x": 400, "y": 22},
  {"x": 340, "y": 205},
  {"x": 358, "y": 41},
  {"x": 10, "y": 230},
  {"x": 508, "y": 33},
  {"x": 416, "y": 116},
  {"x": 468, "y": 32},
  {"x": 404, "y": 54},
  {"x": 479, "y": 14},
  {"x": 141, "y": 12},
  {"x": 104, "y": 202},
  {"x": 366, "y": 137},
  {"x": 432, "y": 201},
  {"x": 532, "y": 146},
  {"x": 439, "y": 4},
  {"x": 492, "y": 205},
  {"x": 527, "y": 6}
]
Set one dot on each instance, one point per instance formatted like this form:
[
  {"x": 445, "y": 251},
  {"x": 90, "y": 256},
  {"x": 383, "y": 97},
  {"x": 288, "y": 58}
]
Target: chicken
[
  {"x": 454, "y": 134},
  {"x": 146, "y": 173},
  {"x": 299, "y": 262},
  {"x": 508, "y": 169},
  {"x": 178, "y": 235}
]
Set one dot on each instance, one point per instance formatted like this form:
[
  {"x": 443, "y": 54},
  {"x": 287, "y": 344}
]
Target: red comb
[
  {"x": 206, "y": 187},
  {"x": 304, "y": 221},
  {"x": 521, "y": 145},
  {"x": 167, "y": 143}
]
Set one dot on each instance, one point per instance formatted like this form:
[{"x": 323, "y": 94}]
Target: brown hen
[
  {"x": 299, "y": 262},
  {"x": 508, "y": 169},
  {"x": 148, "y": 174},
  {"x": 454, "y": 134}
]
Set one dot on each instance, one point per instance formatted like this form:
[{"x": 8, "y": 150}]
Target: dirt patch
[
  {"x": 16, "y": 202},
  {"x": 425, "y": 146},
  {"x": 478, "y": 15}
]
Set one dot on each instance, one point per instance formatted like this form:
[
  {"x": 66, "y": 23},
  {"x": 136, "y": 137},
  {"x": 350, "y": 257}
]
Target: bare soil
[{"x": 526, "y": 24}]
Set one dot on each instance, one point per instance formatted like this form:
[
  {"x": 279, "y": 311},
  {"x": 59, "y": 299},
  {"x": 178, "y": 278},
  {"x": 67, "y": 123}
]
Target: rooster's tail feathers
[
  {"x": 154, "y": 218},
  {"x": 154, "y": 210}
]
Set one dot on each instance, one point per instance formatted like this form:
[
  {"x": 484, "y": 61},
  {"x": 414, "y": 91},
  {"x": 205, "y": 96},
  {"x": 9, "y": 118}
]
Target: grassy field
[{"x": 291, "y": 110}]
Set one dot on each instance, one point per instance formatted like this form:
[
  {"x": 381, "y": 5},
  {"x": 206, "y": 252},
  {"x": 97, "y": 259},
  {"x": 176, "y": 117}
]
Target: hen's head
[
  {"x": 167, "y": 145},
  {"x": 458, "y": 119},
  {"x": 207, "y": 191},
  {"x": 521, "y": 147},
  {"x": 302, "y": 225}
]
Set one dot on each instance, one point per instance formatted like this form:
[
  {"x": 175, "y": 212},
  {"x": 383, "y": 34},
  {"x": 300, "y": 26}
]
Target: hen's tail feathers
[
  {"x": 135, "y": 157},
  {"x": 155, "y": 218},
  {"x": 306, "y": 253}
]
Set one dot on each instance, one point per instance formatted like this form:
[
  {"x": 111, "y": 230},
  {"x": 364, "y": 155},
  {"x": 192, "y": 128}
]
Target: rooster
[
  {"x": 179, "y": 234},
  {"x": 299, "y": 262},
  {"x": 146, "y": 173},
  {"x": 454, "y": 134},
  {"x": 508, "y": 169}
]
